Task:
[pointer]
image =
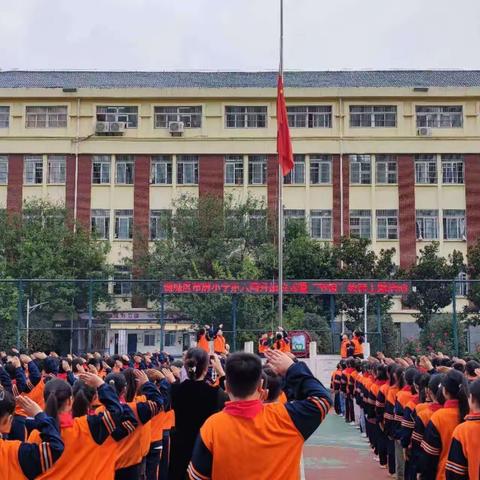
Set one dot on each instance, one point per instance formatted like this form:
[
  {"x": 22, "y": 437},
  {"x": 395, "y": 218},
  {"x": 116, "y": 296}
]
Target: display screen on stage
[{"x": 303, "y": 287}]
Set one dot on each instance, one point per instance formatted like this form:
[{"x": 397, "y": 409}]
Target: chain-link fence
[{"x": 122, "y": 315}]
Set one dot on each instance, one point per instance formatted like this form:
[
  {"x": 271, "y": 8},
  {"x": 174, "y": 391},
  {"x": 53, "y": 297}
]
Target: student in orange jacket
[
  {"x": 219, "y": 341},
  {"x": 21, "y": 460},
  {"x": 203, "y": 339},
  {"x": 357, "y": 342},
  {"x": 262, "y": 433},
  {"x": 464, "y": 456},
  {"x": 439, "y": 432}
]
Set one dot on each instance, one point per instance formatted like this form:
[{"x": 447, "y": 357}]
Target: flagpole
[{"x": 280, "y": 196}]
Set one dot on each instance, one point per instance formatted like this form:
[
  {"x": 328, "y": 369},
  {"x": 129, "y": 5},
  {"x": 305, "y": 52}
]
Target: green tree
[
  {"x": 429, "y": 297},
  {"x": 42, "y": 244}
]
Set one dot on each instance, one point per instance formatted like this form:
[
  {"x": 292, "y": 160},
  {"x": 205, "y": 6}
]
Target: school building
[{"x": 393, "y": 156}]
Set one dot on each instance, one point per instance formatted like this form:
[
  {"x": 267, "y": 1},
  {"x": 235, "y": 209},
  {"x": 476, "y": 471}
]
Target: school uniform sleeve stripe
[
  {"x": 457, "y": 464},
  {"x": 109, "y": 423},
  {"x": 200, "y": 467},
  {"x": 429, "y": 449}
]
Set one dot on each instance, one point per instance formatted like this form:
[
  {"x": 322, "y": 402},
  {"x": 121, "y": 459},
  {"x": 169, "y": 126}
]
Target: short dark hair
[
  {"x": 243, "y": 372},
  {"x": 273, "y": 383}
]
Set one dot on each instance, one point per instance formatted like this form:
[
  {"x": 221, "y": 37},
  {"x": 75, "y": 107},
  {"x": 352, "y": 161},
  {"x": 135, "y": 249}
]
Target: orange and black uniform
[
  {"x": 202, "y": 342},
  {"x": 219, "y": 344},
  {"x": 436, "y": 441},
  {"x": 249, "y": 439},
  {"x": 344, "y": 348},
  {"x": 464, "y": 457},
  {"x": 335, "y": 387},
  {"x": 357, "y": 346},
  {"x": 20, "y": 460},
  {"x": 85, "y": 454},
  {"x": 389, "y": 425},
  {"x": 349, "y": 412}
]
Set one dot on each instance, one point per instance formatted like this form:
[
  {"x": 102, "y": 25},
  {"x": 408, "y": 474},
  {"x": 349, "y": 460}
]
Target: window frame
[
  {"x": 391, "y": 227},
  {"x": 3, "y": 169},
  {"x": 234, "y": 170},
  {"x": 123, "y": 217},
  {"x": 4, "y": 116},
  {"x": 167, "y": 162},
  {"x": 320, "y": 160},
  {"x": 459, "y": 217},
  {"x": 361, "y": 216},
  {"x": 433, "y": 118},
  {"x": 457, "y": 175},
  {"x": 127, "y": 163},
  {"x": 313, "y": 116},
  {"x": 122, "y": 276},
  {"x": 323, "y": 216},
  {"x": 364, "y": 173},
  {"x": 371, "y": 114},
  {"x": 260, "y": 162},
  {"x": 296, "y": 176},
  {"x": 49, "y": 113},
  {"x": 118, "y": 116},
  {"x": 177, "y": 116},
  {"x": 247, "y": 114},
  {"x": 60, "y": 162},
  {"x": 184, "y": 161},
  {"x": 102, "y": 161},
  {"x": 421, "y": 224},
  {"x": 423, "y": 169},
  {"x": 157, "y": 216},
  {"x": 387, "y": 161},
  {"x": 38, "y": 173},
  {"x": 149, "y": 335},
  {"x": 95, "y": 215}
]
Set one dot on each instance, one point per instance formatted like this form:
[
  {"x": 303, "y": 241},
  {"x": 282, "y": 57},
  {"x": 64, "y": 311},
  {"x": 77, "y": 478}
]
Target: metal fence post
[
  {"x": 454, "y": 318},
  {"x": 379, "y": 322},
  {"x": 332, "y": 321},
  {"x": 19, "y": 311},
  {"x": 162, "y": 321},
  {"x": 90, "y": 316},
  {"x": 234, "y": 321}
]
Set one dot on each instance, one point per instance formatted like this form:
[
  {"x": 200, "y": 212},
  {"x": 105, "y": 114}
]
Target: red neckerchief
[
  {"x": 381, "y": 382},
  {"x": 65, "y": 419},
  {"x": 407, "y": 388},
  {"x": 435, "y": 406},
  {"x": 473, "y": 416},
  {"x": 451, "y": 404},
  {"x": 244, "y": 408},
  {"x": 348, "y": 370},
  {"x": 415, "y": 399},
  {"x": 62, "y": 376}
]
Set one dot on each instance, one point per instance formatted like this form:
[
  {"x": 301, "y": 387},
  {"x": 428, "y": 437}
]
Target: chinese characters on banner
[{"x": 306, "y": 287}]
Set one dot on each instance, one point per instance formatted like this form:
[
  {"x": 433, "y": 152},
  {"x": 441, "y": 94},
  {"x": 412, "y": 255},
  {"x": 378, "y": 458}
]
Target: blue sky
[{"x": 238, "y": 34}]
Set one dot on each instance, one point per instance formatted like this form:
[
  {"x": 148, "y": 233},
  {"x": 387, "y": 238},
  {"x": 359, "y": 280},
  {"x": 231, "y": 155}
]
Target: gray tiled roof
[{"x": 332, "y": 79}]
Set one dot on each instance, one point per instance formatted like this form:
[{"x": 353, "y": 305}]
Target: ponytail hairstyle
[
  {"x": 421, "y": 383},
  {"x": 196, "y": 363},
  {"x": 471, "y": 366},
  {"x": 57, "y": 392},
  {"x": 131, "y": 384},
  {"x": 457, "y": 387},
  {"x": 200, "y": 332},
  {"x": 409, "y": 377},
  {"x": 83, "y": 396},
  {"x": 399, "y": 377},
  {"x": 434, "y": 386},
  {"x": 391, "y": 377},
  {"x": 7, "y": 403},
  {"x": 474, "y": 395},
  {"x": 382, "y": 373},
  {"x": 118, "y": 382}
]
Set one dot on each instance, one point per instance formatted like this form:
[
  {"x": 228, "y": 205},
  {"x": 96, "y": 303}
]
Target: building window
[
  {"x": 257, "y": 221},
  {"x": 387, "y": 224},
  {"x": 454, "y": 225},
  {"x": 46, "y": 117},
  {"x": 190, "y": 116},
  {"x": 100, "y": 223},
  {"x": 160, "y": 224},
  {"x": 123, "y": 224},
  {"x": 234, "y": 169},
  {"x": 4, "y": 117},
  {"x": 452, "y": 169},
  {"x": 321, "y": 224},
  {"x": 257, "y": 169},
  {"x": 149, "y": 340},
  {"x": 461, "y": 284},
  {"x": 127, "y": 115},
  {"x": 122, "y": 288},
  {"x": 56, "y": 169},
  {"x": 296, "y": 176},
  {"x": 427, "y": 224},
  {"x": 33, "y": 170},
  {"x": 320, "y": 169},
  {"x": 426, "y": 169},
  {"x": 310, "y": 116},
  {"x": 161, "y": 170},
  {"x": 297, "y": 216},
  {"x": 101, "y": 169},
  {"x": 246, "y": 117},
  {"x": 125, "y": 166},
  {"x": 187, "y": 169},
  {"x": 361, "y": 223},
  {"x": 370, "y": 116},
  {"x": 360, "y": 169},
  {"x": 439, "y": 116},
  {"x": 386, "y": 169},
  {"x": 3, "y": 170},
  {"x": 170, "y": 339}
]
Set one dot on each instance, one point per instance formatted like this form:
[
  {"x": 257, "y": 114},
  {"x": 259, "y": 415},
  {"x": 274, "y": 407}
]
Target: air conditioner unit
[
  {"x": 176, "y": 128},
  {"x": 102, "y": 127},
  {"x": 424, "y": 132},
  {"x": 117, "y": 127}
]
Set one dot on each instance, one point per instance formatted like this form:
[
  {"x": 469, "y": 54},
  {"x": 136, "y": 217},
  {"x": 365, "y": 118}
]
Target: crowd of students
[
  {"x": 421, "y": 416},
  {"x": 149, "y": 417}
]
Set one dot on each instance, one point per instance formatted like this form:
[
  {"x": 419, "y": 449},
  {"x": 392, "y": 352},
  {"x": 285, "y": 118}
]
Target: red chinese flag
[{"x": 284, "y": 145}]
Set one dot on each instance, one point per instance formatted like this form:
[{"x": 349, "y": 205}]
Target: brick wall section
[
  {"x": 84, "y": 190},
  {"x": 336, "y": 213},
  {"x": 472, "y": 194},
  {"x": 141, "y": 220},
  {"x": 406, "y": 210},
  {"x": 70, "y": 187},
  {"x": 15, "y": 184},
  {"x": 211, "y": 175},
  {"x": 272, "y": 195}
]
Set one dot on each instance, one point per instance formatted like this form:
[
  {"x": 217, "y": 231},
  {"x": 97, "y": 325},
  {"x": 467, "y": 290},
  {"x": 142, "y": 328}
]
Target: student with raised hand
[
  {"x": 464, "y": 456},
  {"x": 254, "y": 440},
  {"x": 83, "y": 435},
  {"x": 21, "y": 460},
  {"x": 439, "y": 432}
]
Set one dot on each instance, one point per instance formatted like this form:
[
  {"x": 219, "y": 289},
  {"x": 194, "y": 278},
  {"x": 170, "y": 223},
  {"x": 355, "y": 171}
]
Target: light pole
[{"x": 30, "y": 309}]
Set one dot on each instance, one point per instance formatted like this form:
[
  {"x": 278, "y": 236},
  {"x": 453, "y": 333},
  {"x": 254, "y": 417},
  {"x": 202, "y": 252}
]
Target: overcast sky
[{"x": 238, "y": 34}]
